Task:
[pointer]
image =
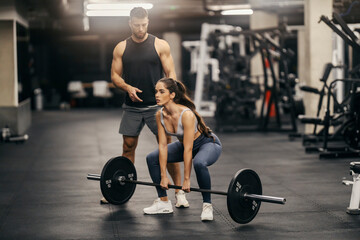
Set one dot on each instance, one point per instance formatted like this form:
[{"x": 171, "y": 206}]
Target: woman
[{"x": 196, "y": 144}]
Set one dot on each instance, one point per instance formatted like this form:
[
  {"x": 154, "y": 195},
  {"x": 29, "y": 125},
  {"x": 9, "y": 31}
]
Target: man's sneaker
[
  {"x": 103, "y": 201},
  {"x": 181, "y": 201},
  {"x": 159, "y": 207},
  {"x": 207, "y": 212}
]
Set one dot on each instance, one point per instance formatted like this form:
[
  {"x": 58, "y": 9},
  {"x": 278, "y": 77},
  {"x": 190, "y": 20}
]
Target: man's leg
[
  {"x": 129, "y": 146},
  {"x": 130, "y": 127}
]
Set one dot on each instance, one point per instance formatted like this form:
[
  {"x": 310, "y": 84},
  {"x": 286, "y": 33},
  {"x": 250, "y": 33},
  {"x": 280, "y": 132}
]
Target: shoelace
[
  {"x": 180, "y": 193},
  {"x": 207, "y": 208}
]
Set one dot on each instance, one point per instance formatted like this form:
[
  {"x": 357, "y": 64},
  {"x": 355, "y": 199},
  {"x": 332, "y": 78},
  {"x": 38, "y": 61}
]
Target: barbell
[{"x": 118, "y": 181}]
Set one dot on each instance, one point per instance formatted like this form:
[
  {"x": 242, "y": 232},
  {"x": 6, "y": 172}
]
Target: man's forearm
[
  {"x": 119, "y": 82},
  {"x": 171, "y": 74}
]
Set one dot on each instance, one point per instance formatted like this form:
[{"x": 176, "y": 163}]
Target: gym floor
[{"x": 44, "y": 193}]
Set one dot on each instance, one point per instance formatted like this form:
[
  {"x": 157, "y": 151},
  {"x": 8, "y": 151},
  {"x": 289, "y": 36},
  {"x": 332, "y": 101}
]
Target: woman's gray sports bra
[{"x": 180, "y": 129}]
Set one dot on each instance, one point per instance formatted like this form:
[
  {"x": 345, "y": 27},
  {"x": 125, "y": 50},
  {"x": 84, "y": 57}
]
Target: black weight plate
[
  {"x": 243, "y": 210},
  {"x": 114, "y": 191}
]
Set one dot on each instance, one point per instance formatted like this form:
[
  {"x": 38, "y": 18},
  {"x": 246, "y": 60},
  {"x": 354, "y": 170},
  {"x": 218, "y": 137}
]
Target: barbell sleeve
[
  {"x": 95, "y": 177},
  {"x": 270, "y": 199}
]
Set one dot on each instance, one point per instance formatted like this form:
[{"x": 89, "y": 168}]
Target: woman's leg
[
  {"x": 207, "y": 155},
  {"x": 175, "y": 154}
]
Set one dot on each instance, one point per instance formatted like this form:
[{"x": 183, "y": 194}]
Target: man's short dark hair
[{"x": 138, "y": 12}]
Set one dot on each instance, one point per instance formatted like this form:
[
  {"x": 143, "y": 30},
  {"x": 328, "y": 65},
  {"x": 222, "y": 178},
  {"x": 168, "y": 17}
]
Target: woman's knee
[
  {"x": 199, "y": 164},
  {"x": 152, "y": 158}
]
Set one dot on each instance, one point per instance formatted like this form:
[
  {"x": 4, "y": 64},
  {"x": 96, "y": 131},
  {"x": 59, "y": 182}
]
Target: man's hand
[
  {"x": 132, "y": 94},
  {"x": 164, "y": 183},
  {"x": 186, "y": 186}
]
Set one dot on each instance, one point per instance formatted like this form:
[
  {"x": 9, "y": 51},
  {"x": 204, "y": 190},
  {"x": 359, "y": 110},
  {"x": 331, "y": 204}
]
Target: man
[{"x": 138, "y": 63}]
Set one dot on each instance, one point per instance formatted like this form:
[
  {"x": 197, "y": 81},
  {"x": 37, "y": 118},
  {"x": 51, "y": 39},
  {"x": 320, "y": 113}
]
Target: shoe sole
[
  {"x": 182, "y": 205},
  {"x": 157, "y": 213},
  {"x": 207, "y": 220}
]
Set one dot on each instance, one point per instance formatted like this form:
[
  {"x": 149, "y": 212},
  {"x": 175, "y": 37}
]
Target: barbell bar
[
  {"x": 118, "y": 180},
  {"x": 263, "y": 198}
]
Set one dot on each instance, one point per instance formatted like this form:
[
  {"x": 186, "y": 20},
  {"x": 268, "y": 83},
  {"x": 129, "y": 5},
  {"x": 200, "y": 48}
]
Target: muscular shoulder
[
  {"x": 188, "y": 117},
  {"x": 119, "y": 49},
  {"x": 162, "y": 46}
]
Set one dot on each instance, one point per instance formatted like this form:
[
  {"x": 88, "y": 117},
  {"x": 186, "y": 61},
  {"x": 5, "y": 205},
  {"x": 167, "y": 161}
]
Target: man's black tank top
[{"x": 142, "y": 68}]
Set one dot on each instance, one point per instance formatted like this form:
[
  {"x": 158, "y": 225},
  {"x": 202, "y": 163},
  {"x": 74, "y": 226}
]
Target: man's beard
[{"x": 139, "y": 36}]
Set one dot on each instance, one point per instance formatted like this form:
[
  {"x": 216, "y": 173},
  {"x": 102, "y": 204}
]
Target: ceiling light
[
  {"x": 108, "y": 13},
  {"x": 113, "y": 9},
  {"x": 117, "y": 6},
  {"x": 237, "y": 12},
  {"x": 228, "y": 7},
  {"x": 86, "y": 24}
]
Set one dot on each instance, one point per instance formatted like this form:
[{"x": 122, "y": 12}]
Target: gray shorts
[{"x": 134, "y": 119}]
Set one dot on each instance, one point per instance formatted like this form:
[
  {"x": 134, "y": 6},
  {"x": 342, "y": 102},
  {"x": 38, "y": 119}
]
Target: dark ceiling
[
  {"x": 176, "y": 15},
  {"x": 168, "y": 15}
]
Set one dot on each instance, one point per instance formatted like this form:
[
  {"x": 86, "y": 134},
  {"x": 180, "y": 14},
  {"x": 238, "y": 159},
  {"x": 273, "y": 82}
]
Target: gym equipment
[
  {"x": 111, "y": 189},
  {"x": 345, "y": 118},
  {"x": 236, "y": 105},
  {"x": 200, "y": 53},
  {"x": 349, "y": 128},
  {"x": 240, "y": 109},
  {"x": 347, "y": 35},
  {"x": 7, "y": 136},
  {"x": 316, "y": 136},
  {"x": 118, "y": 181},
  {"x": 327, "y": 70},
  {"x": 352, "y": 134},
  {"x": 275, "y": 89},
  {"x": 353, "y": 208}
]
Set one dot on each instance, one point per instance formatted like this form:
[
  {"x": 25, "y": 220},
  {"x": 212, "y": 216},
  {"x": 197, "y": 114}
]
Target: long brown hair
[{"x": 182, "y": 98}]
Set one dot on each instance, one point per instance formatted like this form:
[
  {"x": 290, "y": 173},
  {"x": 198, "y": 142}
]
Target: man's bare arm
[
  {"x": 117, "y": 67},
  {"x": 163, "y": 49}
]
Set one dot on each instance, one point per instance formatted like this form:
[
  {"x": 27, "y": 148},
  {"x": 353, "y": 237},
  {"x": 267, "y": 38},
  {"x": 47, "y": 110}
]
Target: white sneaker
[
  {"x": 207, "y": 212},
  {"x": 181, "y": 201},
  {"x": 103, "y": 201},
  {"x": 159, "y": 207}
]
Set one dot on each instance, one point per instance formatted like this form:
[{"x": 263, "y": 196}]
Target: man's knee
[
  {"x": 129, "y": 148},
  {"x": 129, "y": 144}
]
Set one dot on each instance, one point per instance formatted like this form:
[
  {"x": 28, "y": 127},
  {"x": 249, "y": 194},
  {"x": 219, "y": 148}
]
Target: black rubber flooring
[{"x": 44, "y": 193}]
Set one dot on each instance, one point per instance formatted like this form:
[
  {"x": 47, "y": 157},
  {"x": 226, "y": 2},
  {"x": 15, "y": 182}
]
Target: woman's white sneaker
[
  {"x": 181, "y": 201},
  {"x": 207, "y": 212},
  {"x": 159, "y": 207}
]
